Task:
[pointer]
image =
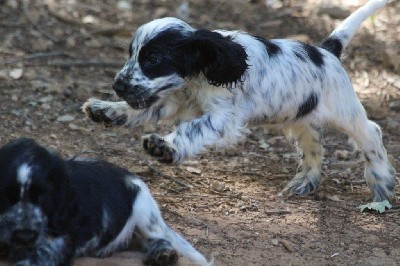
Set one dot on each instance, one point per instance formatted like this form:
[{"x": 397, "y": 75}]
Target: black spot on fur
[
  {"x": 313, "y": 54},
  {"x": 333, "y": 45},
  {"x": 308, "y": 106},
  {"x": 299, "y": 56},
  {"x": 159, "y": 57},
  {"x": 272, "y": 48}
]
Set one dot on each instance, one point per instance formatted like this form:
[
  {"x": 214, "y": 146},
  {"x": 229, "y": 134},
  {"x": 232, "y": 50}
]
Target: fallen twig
[
  {"x": 277, "y": 212},
  {"x": 154, "y": 170},
  {"x": 83, "y": 63},
  {"x": 62, "y": 18},
  {"x": 358, "y": 182},
  {"x": 39, "y": 55},
  {"x": 287, "y": 245}
]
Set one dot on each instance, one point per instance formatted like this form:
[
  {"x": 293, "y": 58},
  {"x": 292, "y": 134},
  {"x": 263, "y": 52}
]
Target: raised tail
[{"x": 343, "y": 34}]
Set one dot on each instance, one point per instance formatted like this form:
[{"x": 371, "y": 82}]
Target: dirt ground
[{"x": 56, "y": 54}]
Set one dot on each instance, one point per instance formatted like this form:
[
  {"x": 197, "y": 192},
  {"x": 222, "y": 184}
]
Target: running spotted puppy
[
  {"x": 52, "y": 210},
  {"x": 214, "y": 83}
]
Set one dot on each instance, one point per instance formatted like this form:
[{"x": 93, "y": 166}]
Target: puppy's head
[
  {"x": 166, "y": 51},
  {"x": 33, "y": 193}
]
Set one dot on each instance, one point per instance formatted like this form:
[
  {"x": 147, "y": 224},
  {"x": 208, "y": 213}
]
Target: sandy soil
[{"x": 70, "y": 50}]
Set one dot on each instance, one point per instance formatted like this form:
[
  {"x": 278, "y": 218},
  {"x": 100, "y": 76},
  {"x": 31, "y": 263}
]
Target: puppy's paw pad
[{"x": 156, "y": 146}]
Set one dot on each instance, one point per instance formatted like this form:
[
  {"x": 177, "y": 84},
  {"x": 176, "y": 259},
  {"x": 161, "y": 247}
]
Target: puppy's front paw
[
  {"x": 104, "y": 112},
  {"x": 156, "y": 146}
]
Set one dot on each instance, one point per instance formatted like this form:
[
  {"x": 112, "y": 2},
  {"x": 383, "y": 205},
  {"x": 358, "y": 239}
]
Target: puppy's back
[{"x": 103, "y": 197}]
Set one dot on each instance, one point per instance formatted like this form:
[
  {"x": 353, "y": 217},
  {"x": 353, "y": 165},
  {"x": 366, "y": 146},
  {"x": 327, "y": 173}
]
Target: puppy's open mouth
[{"x": 141, "y": 102}]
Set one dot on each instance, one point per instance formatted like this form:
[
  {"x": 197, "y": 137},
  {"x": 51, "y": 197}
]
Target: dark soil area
[{"x": 56, "y": 54}]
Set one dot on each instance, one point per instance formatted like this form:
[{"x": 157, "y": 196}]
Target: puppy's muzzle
[
  {"x": 136, "y": 96},
  {"x": 121, "y": 87}
]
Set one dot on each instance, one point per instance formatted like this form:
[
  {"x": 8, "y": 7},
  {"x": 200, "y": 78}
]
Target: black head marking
[
  {"x": 188, "y": 53},
  {"x": 159, "y": 56}
]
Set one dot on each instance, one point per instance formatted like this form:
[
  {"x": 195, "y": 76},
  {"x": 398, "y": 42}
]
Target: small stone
[
  {"x": 65, "y": 118},
  {"x": 218, "y": 186},
  {"x": 285, "y": 170},
  {"x": 275, "y": 242},
  {"x": 89, "y": 19},
  {"x": 12, "y": 3},
  {"x": 124, "y": 5},
  {"x": 14, "y": 98},
  {"x": 46, "y": 99},
  {"x": 46, "y": 106},
  {"x": 16, "y": 73},
  {"x": 264, "y": 145},
  {"x": 73, "y": 126},
  {"x": 194, "y": 170}
]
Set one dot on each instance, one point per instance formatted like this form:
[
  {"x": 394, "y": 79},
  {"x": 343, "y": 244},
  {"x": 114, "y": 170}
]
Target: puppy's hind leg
[
  {"x": 162, "y": 244},
  {"x": 308, "y": 179},
  {"x": 378, "y": 173}
]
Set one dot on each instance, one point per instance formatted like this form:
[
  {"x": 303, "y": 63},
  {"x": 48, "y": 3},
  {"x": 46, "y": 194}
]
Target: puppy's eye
[{"x": 153, "y": 60}]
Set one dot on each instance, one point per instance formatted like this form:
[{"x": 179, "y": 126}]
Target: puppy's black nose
[
  {"x": 24, "y": 236},
  {"x": 119, "y": 86}
]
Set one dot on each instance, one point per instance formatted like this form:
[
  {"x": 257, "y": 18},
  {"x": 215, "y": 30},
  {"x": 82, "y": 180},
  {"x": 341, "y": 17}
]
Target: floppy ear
[{"x": 222, "y": 60}]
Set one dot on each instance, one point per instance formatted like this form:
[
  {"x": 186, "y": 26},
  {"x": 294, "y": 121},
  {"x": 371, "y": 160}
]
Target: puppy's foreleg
[
  {"x": 109, "y": 113},
  {"x": 120, "y": 113},
  {"x": 49, "y": 252},
  {"x": 191, "y": 138}
]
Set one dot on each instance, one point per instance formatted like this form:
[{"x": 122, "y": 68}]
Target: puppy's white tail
[
  {"x": 186, "y": 249},
  {"x": 343, "y": 34}
]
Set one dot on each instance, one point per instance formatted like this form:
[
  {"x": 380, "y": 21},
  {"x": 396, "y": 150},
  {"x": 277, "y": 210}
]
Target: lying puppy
[
  {"x": 214, "y": 83},
  {"x": 53, "y": 209}
]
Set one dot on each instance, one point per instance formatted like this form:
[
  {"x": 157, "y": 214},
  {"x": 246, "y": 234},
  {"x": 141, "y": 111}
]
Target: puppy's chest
[{"x": 204, "y": 99}]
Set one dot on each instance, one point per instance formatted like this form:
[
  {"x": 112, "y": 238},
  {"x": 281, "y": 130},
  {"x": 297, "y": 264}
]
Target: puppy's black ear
[{"x": 222, "y": 60}]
